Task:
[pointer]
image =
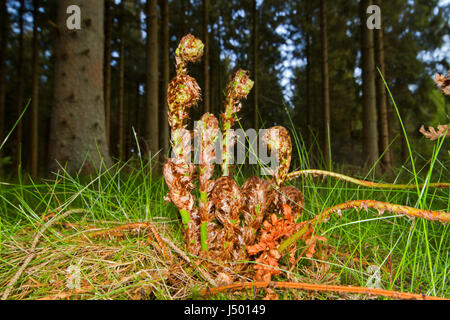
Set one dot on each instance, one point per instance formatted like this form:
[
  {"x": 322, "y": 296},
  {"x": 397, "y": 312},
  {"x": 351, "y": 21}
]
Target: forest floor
[{"x": 71, "y": 238}]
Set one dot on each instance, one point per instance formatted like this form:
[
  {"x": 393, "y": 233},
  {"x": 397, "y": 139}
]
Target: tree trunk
[
  {"x": 3, "y": 39},
  {"x": 121, "y": 142},
  {"x": 255, "y": 67},
  {"x": 383, "y": 119},
  {"x": 370, "y": 132},
  {"x": 325, "y": 84},
  {"x": 309, "y": 106},
  {"x": 183, "y": 18},
  {"x": 35, "y": 94},
  {"x": 107, "y": 71},
  {"x": 165, "y": 76},
  {"x": 152, "y": 135},
  {"x": 77, "y": 134},
  {"x": 206, "y": 90},
  {"x": 20, "y": 78}
]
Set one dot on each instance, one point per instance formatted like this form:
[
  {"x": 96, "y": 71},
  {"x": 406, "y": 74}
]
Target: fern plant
[{"x": 230, "y": 224}]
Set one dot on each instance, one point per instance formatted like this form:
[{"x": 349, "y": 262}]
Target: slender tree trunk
[
  {"x": 325, "y": 83},
  {"x": 183, "y": 18},
  {"x": 107, "y": 71},
  {"x": 20, "y": 78},
  {"x": 121, "y": 142},
  {"x": 370, "y": 144},
  {"x": 255, "y": 67},
  {"x": 3, "y": 39},
  {"x": 138, "y": 114},
  {"x": 35, "y": 94},
  {"x": 219, "y": 70},
  {"x": 152, "y": 134},
  {"x": 383, "y": 119},
  {"x": 309, "y": 106},
  {"x": 165, "y": 76},
  {"x": 206, "y": 90},
  {"x": 77, "y": 135}
]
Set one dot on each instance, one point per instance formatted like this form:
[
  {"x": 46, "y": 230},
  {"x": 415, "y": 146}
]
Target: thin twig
[{"x": 320, "y": 287}]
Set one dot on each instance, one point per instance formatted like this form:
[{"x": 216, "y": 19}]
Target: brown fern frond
[
  {"x": 278, "y": 141},
  {"x": 207, "y": 129},
  {"x": 443, "y": 83},
  {"x": 238, "y": 88},
  {"x": 324, "y": 216},
  {"x": 432, "y": 134}
]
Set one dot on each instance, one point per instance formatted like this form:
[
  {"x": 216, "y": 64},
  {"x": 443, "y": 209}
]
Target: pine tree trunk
[
  {"x": 183, "y": 18},
  {"x": 35, "y": 94},
  {"x": 325, "y": 83},
  {"x": 107, "y": 71},
  {"x": 3, "y": 39},
  {"x": 121, "y": 120},
  {"x": 165, "y": 76},
  {"x": 138, "y": 115},
  {"x": 77, "y": 133},
  {"x": 206, "y": 90},
  {"x": 383, "y": 119},
  {"x": 20, "y": 85},
  {"x": 309, "y": 106},
  {"x": 152, "y": 135},
  {"x": 370, "y": 132},
  {"x": 255, "y": 67}
]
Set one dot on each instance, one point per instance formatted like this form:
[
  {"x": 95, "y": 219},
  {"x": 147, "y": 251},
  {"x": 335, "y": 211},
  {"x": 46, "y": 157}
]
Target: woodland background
[{"x": 314, "y": 64}]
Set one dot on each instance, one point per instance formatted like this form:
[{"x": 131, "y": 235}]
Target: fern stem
[
  {"x": 364, "y": 183},
  {"x": 443, "y": 217}
]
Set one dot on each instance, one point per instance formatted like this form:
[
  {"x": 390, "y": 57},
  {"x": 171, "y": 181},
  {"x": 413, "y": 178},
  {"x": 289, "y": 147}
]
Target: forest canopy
[{"x": 316, "y": 66}]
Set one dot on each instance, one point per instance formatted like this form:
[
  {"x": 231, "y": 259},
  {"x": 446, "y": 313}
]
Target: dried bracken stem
[
  {"x": 364, "y": 183},
  {"x": 432, "y": 134},
  {"x": 238, "y": 88},
  {"x": 320, "y": 287},
  {"x": 443, "y": 217},
  {"x": 324, "y": 216}
]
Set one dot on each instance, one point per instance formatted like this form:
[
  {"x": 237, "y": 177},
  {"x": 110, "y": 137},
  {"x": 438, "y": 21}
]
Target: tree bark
[
  {"x": 309, "y": 107},
  {"x": 370, "y": 132},
  {"x": 383, "y": 119},
  {"x": 255, "y": 67},
  {"x": 165, "y": 76},
  {"x": 20, "y": 78},
  {"x": 325, "y": 83},
  {"x": 152, "y": 132},
  {"x": 77, "y": 134},
  {"x": 35, "y": 94},
  {"x": 183, "y": 18},
  {"x": 121, "y": 142},
  {"x": 3, "y": 39},
  {"x": 206, "y": 90},
  {"x": 107, "y": 71}
]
